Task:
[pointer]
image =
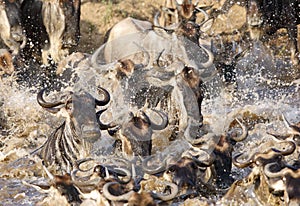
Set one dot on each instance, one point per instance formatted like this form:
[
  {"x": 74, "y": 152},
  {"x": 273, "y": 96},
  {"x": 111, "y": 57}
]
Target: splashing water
[{"x": 262, "y": 94}]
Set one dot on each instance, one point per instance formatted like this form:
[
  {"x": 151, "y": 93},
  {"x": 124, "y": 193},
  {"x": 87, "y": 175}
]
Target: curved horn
[
  {"x": 242, "y": 164},
  {"x": 112, "y": 197},
  {"x": 89, "y": 184},
  {"x": 79, "y": 178},
  {"x": 206, "y": 16},
  {"x": 42, "y": 102},
  {"x": 102, "y": 125},
  {"x": 270, "y": 174},
  {"x": 81, "y": 161},
  {"x": 151, "y": 171},
  {"x": 106, "y": 95},
  {"x": 164, "y": 123},
  {"x": 244, "y": 132},
  {"x": 158, "y": 57},
  {"x": 286, "y": 150},
  {"x": 172, "y": 195},
  {"x": 210, "y": 55},
  {"x": 127, "y": 174},
  {"x": 286, "y": 171}
]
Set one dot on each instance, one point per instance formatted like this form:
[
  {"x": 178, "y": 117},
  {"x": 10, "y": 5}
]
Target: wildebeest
[
  {"x": 137, "y": 133},
  {"x": 263, "y": 189},
  {"x": 138, "y": 38},
  {"x": 70, "y": 141},
  {"x": 11, "y": 30},
  {"x": 268, "y": 16},
  {"x": 52, "y": 27}
]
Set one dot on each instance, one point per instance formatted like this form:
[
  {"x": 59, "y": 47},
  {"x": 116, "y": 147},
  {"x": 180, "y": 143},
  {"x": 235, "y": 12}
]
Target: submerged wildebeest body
[
  {"x": 11, "y": 30},
  {"x": 268, "y": 16},
  {"x": 71, "y": 140},
  {"x": 52, "y": 27},
  {"x": 160, "y": 76},
  {"x": 143, "y": 44}
]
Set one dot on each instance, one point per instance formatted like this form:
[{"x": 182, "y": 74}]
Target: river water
[{"x": 265, "y": 90}]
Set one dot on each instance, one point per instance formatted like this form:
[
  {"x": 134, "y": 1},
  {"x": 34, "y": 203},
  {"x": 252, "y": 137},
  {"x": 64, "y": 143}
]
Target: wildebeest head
[
  {"x": 187, "y": 9},
  {"x": 71, "y": 141},
  {"x": 290, "y": 176},
  {"x": 80, "y": 112},
  {"x": 183, "y": 172},
  {"x": 138, "y": 131}
]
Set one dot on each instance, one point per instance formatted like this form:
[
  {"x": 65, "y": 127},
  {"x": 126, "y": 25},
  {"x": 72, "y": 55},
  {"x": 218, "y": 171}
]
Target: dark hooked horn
[
  {"x": 84, "y": 160},
  {"x": 244, "y": 132},
  {"x": 102, "y": 126},
  {"x": 50, "y": 106},
  {"x": 158, "y": 57},
  {"x": 210, "y": 59},
  {"x": 204, "y": 161},
  {"x": 108, "y": 195},
  {"x": 43, "y": 102},
  {"x": 295, "y": 173},
  {"x": 106, "y": 98},
  {"x": 287, "y": 150},
  {"x": 122, "y": 171},
  {"x": 164, "y": 122},
  {"x": 155, "y": 170},
  {"x": 242, "y": 164},
  {"x": 172, "y": 195},
  {"x": 272, "y": 152},
  {"x": 24, "y": 41},
  {"x": 270, "y": 174}
]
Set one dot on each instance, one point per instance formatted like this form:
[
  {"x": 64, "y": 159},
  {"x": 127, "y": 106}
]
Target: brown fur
[
  {"x": 6, "y": 62},
  {"x": 143, "y": 199}
]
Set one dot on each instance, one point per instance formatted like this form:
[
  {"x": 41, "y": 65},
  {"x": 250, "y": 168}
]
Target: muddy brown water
[{"x": 265, "y": 90}]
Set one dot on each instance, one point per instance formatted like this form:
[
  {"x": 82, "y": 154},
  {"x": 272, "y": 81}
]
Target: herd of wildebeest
[{"x": 138, "y": 97}]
